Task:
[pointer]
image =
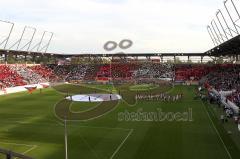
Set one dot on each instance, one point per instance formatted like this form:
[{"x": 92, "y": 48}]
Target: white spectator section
[{"x": 21, "y": 88}]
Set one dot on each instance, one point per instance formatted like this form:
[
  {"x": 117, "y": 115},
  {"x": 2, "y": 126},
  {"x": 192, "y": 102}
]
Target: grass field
[
  {"x": 142, "y": 87},
  {"x": 28, "y": 125}
]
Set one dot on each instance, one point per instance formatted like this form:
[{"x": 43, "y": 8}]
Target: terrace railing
[{"x": 11, "y": 155}]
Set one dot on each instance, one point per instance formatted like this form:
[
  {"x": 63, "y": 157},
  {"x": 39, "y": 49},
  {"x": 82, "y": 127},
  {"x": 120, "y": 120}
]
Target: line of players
[{"x": 159, "y": 97}]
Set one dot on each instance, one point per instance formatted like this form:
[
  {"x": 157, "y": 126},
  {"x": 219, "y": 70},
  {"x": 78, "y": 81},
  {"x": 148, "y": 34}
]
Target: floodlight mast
[
  {"x": 49, "y": 42},
  {"x": 214, "y": 31},
  {"x": 234, "y": 24},
  {"x": 41, "y": 41},
  {"x": 47, "y": 45},
  {"x": 211, "y": 36},
  {"x": 21, "y": 37},
  {"x": 218, "y": 30},
  {"x": 19, "y": 41},
  {"x": 8, "y": 37},
  {"x": 217, "y": 42},
  {"x": 209, "y": 27},
  {"x": 235, "y": 8},
  {"x": 230, "y": 30},
  {"x": 38, "y": 44},
  {"x": 221, "y": 24},
  {"x": 31, "y": 38}
]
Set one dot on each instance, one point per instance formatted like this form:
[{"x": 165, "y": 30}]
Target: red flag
[
  {"x": 45, "y": 85},
  {"x": 31, "y": 89}
]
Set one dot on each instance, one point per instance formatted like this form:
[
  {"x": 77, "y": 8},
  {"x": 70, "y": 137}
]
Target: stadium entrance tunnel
[{"x": 94, "y": 97}]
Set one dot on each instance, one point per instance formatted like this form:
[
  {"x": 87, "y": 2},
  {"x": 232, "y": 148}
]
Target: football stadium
[{"x": 126, "y": 104}]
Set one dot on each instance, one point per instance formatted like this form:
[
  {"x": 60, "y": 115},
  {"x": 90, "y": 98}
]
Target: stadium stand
[
  {"x": 226, "y": 78},
  {"x": 66, "y": 72},
  {"x": 155, "y": 70},
  {"x": 10, "y": 78},
  {"x": 116, "y": 71},
  {"x": 91, "y": 72},
  {"x": 191, "y": 72},
  {"x": 77, "y": 72},
  {"x": 29, "y": 76},
  {"x": 223, "y": 77},
  {"x": 44, "y": 72}
]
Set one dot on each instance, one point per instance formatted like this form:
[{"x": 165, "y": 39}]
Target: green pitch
[{"x": 29, "y": 125}]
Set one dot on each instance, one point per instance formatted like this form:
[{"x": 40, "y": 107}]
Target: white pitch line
[
  {"x": 30, "y": 149},
  {"x": 91, "y": 149},
  {"x": 35, "y": 146},
  {"x": 119, "y": 147},
  {"x": 58, "y": 122},
  {"x": 10, "y": 143},
  {"x": 95, "y": 127},
  {"x": 225, "y": 147}
]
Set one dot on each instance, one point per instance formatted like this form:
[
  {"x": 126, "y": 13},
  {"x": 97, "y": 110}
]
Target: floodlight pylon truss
[
  {"x": 39, "y": 44},
  {"x": 5, "y": 41},
  {"x": 28, "y": 44},
  {"x": 215, "y": 34}
]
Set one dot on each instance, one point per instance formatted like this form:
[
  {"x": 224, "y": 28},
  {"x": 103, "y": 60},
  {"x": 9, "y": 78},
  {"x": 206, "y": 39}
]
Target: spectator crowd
[{"x": 225, "y": 77}]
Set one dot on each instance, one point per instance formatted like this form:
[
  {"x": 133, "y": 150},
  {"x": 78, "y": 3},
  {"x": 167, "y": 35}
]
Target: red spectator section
[
  {"x": 116, "y": 71},
  {"x": 9, "y": 78},
  {"x": 191, "y": 72},
  {"x": 43, "y": 71}
]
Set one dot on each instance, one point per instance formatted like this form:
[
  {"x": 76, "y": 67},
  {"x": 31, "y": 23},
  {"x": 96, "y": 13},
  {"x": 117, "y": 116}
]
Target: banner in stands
[{"x": 23, "y": 88}]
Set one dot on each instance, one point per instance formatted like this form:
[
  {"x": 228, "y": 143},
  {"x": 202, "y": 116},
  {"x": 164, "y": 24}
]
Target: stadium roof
[
  {"x": 136, "y": 54},
  {"x": 230, "y": 47},
  {"x": 15, "y": 52}
]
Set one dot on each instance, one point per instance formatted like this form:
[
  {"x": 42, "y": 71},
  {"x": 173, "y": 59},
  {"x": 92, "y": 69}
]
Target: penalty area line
[
  {"x": 11, "y": 143},
  {"x": 121, "y": 144},
  {"x": 95, "y": 127}
]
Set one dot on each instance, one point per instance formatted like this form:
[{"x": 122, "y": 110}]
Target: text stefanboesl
[{"x": 158, "y": 116}]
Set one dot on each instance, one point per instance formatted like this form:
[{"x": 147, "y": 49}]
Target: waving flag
[
  {"x": 31, "y": 89},
  {"x": 44, "y": 85}
]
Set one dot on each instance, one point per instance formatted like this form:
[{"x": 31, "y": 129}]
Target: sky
[{"x": 84, "y": 26}]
